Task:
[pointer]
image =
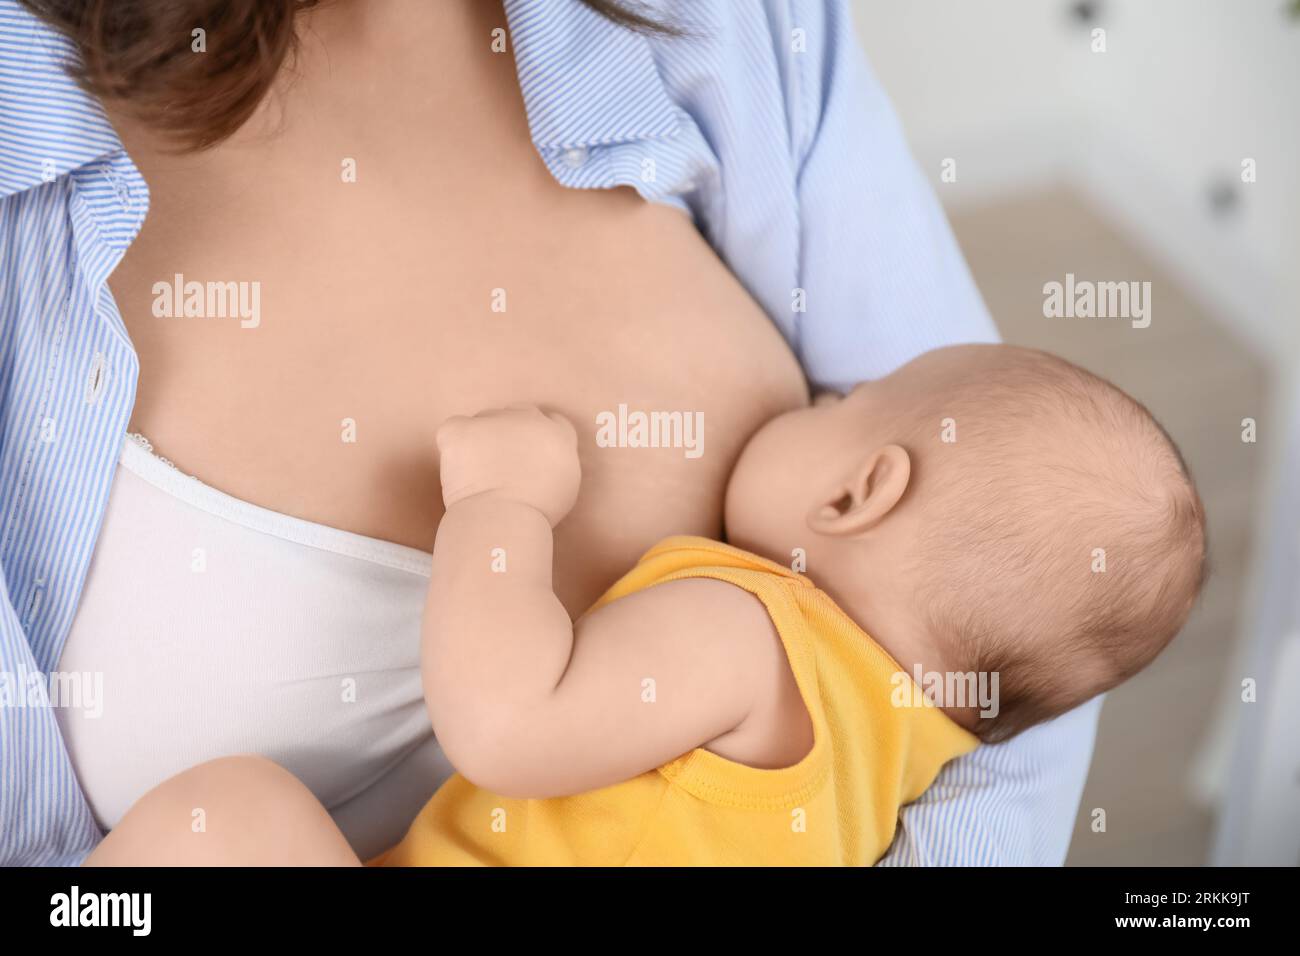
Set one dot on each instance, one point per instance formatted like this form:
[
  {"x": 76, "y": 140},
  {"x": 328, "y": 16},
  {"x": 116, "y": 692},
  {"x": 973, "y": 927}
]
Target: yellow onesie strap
[
  {"x": 701, "y": 772},
  {"x": 689, "y": 553},
  {"x": 845, "y": 678}
]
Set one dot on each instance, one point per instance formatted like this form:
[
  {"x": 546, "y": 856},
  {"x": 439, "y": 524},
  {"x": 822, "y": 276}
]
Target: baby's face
[
  {"x": 796, "y": 463},
  {"x": 791, "y": 462}
]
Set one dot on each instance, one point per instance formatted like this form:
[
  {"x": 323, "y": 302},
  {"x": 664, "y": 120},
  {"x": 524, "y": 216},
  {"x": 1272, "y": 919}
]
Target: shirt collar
[
  {"x": 49, "y": 126},
  {"x": 586, "y": 81}
]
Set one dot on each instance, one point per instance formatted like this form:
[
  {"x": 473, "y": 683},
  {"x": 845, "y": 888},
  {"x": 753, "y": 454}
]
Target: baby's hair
[{"x": 1064, "y": 542}]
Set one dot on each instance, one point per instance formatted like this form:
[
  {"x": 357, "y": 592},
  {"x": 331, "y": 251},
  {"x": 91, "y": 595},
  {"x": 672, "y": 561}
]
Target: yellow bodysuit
[{"x": 837, "y": 806}]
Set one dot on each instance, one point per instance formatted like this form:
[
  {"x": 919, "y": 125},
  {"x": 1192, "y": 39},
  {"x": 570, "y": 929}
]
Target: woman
[{"x": 436, "y": 208}]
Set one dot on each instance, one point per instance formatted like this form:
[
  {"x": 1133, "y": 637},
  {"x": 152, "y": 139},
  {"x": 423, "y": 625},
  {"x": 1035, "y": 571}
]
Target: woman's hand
[{"x": 518, "y": 454}]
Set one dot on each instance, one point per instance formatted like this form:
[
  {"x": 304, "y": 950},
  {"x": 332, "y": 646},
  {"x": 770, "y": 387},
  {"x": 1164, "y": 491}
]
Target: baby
[{"x": 991, "y": 515}]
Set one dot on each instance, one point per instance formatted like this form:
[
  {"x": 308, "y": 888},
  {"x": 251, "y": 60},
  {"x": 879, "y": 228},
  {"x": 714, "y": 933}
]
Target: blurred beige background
[{"x": 1161, "y": 149}]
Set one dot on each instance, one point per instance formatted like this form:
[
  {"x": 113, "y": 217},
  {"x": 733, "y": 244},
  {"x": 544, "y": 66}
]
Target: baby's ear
[{"x": 871, "y": 492}]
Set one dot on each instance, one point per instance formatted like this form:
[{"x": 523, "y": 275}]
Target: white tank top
[{"x": 223, "y": 628}]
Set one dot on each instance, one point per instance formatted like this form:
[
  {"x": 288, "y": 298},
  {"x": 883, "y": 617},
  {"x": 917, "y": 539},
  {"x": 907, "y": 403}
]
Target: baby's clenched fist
[{"x": 518, "y": 454}]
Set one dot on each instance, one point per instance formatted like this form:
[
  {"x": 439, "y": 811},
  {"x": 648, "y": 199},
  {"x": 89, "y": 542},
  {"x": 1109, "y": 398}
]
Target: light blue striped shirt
[{"x": 764, "y": 123}]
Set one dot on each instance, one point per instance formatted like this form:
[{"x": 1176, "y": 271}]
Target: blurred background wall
[{"x": 1151, "y": 141}]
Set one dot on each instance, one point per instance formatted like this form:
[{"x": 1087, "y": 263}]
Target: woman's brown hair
[{"x": 140, "y": 52}]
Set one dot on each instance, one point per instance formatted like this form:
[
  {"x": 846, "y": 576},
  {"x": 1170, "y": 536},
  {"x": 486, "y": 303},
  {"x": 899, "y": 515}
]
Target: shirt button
[
  {"x": 574, "y": 156},
  {"x": 96, "y": 379}
]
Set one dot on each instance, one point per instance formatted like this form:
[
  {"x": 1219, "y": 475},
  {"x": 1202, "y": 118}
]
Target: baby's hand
[{"x": 519, "y": 454}]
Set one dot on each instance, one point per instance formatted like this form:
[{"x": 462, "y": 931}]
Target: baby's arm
[{"x": 527, "y": 704}]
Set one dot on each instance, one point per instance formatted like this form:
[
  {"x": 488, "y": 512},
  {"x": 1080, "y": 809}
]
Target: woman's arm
[
  {"x": 885, "y": 281},
  {"x": 1003, "y": 804}
]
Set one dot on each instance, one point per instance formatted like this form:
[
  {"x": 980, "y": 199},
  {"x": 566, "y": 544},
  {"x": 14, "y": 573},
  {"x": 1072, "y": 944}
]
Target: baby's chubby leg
[{"x": 234, "y": 811}]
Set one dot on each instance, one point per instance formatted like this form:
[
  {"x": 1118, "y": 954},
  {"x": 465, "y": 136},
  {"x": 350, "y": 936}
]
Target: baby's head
[{"x": 986, "y": 509}]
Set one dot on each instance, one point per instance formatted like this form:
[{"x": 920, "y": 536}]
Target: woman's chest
[
  {"x": 396, "y": 252},
  {"x": 299, "y": 349}
]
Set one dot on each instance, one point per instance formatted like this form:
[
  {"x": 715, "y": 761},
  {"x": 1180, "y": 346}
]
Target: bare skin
[
  {"x": 376, "y": 299},
  {"x": 234, "y": 811}
]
